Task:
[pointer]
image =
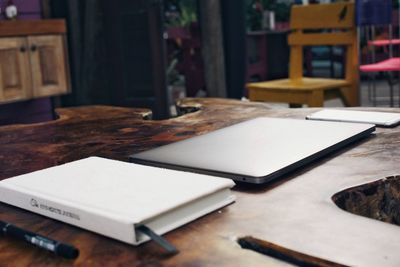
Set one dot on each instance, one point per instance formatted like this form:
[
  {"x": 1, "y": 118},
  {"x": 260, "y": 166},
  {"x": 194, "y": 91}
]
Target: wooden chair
[{"x": 312, "y": 25}]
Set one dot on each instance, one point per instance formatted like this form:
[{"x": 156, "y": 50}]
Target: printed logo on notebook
[{"x": 36, "y": 204}]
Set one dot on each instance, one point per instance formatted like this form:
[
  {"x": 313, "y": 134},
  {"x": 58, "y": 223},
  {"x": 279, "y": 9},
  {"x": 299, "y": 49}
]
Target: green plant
[
  {"x": 255, "y": 8},
  {"x": 180, "y": 13}
]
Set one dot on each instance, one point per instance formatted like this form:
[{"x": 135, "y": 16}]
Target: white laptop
[
  {"x": 257, "y": 150},
  {"x": 386, "y": 119}
]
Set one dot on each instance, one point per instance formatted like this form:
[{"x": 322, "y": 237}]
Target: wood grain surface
[
  {"x": 379, "y": 200},
  {"x": 32, "y": 27},
  {"x": 209, "y": 241}
]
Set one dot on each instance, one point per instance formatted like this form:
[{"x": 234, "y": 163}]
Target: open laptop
[
  {"x": 385, "y": 119},
  {"x": 255, "y": 151}
]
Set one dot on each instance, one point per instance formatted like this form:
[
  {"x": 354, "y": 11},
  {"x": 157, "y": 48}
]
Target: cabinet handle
[
  {"x": 22, "y": 49},
  {"x": 33, "y": 48}
]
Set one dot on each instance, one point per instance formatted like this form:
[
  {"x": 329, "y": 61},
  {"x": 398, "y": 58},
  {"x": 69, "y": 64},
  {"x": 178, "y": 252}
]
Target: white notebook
[
  {"x": 113, "y": 198},
  {"x": 386, "y": 119}
]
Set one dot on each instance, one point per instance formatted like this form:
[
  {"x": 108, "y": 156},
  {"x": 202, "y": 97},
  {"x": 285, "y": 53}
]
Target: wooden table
[{"x": 296, "y": 212}]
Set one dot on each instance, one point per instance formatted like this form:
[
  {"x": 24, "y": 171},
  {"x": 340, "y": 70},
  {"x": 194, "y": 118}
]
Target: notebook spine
[{"x": 84, "y": 218}]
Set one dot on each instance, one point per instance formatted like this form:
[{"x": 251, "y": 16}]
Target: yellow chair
[{"x": 313, "y": 25}]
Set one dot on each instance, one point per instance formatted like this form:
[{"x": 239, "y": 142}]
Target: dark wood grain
[
  {"x": 32, "y": 27},
  {"x": 379, "y": 200},
  {"x": 116, "y": 133}
]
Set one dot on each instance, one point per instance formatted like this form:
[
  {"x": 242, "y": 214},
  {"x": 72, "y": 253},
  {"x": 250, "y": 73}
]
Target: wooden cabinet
[
  {"x": 14, "y": 75},
  {"x": 33, "y": 61},
  {"x": 48, "y": 66}
]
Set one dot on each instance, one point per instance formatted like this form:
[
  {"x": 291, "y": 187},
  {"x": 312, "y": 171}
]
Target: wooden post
[{"x": 212, "y": 47}]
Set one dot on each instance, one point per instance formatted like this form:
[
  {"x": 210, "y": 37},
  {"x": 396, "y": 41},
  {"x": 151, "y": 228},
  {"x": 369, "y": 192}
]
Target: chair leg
[
  {"x": 355, "y": 95},
  {"x": 371, "y": 82},
  {"x": 391, "y": 89},
  {"x": 391, "y": 82},
  {"x": 391, "y": 96},
  {"x": 373, "y": 91},
  {"x": 316, "y": 99},
  {"x": 295, "y": 105},
  {"x": 349, "y": 96}
]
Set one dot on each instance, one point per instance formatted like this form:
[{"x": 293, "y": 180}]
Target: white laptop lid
[
  {"x": 378, "y": 118},
  {"x": 257, "y": 150}
]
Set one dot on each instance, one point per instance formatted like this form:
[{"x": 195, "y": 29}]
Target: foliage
[
  {"x": 255, "y": 9},
  {"x": 180, "y": 13}
]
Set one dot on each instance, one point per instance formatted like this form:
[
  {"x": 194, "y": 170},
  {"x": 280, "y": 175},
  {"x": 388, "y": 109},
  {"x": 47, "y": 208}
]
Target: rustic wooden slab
[
  {"x": 296, "y": 213},
  {"x": 379, "y": 200}
]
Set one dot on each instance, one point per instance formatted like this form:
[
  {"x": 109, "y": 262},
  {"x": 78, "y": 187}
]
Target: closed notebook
[
  {"x": 114, "y": 198},
  {"x": 387, "y": 119}
]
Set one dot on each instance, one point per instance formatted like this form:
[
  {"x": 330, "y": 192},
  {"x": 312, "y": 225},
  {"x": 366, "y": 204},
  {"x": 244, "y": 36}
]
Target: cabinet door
[
  {"x": 48, "y": 65},
  {"x": 15, "y": 81}
]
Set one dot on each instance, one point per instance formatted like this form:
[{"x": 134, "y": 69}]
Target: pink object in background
[
  {"x": 391, "y": 64},
  {"x": 384, "y": 42}
]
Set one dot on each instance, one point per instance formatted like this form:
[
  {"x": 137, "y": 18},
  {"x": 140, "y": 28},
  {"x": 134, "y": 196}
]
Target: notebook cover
[{"x": 111, "y": 197}]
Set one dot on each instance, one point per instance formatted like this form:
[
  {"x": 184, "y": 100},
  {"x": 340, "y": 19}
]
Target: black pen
[{"x": 60, "y": 249}]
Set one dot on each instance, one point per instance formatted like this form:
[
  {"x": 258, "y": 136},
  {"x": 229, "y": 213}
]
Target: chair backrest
[{"x": 323, "y": 24}]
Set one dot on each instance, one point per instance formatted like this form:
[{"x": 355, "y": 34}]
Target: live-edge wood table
[{"x": 262, "y": 212}]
